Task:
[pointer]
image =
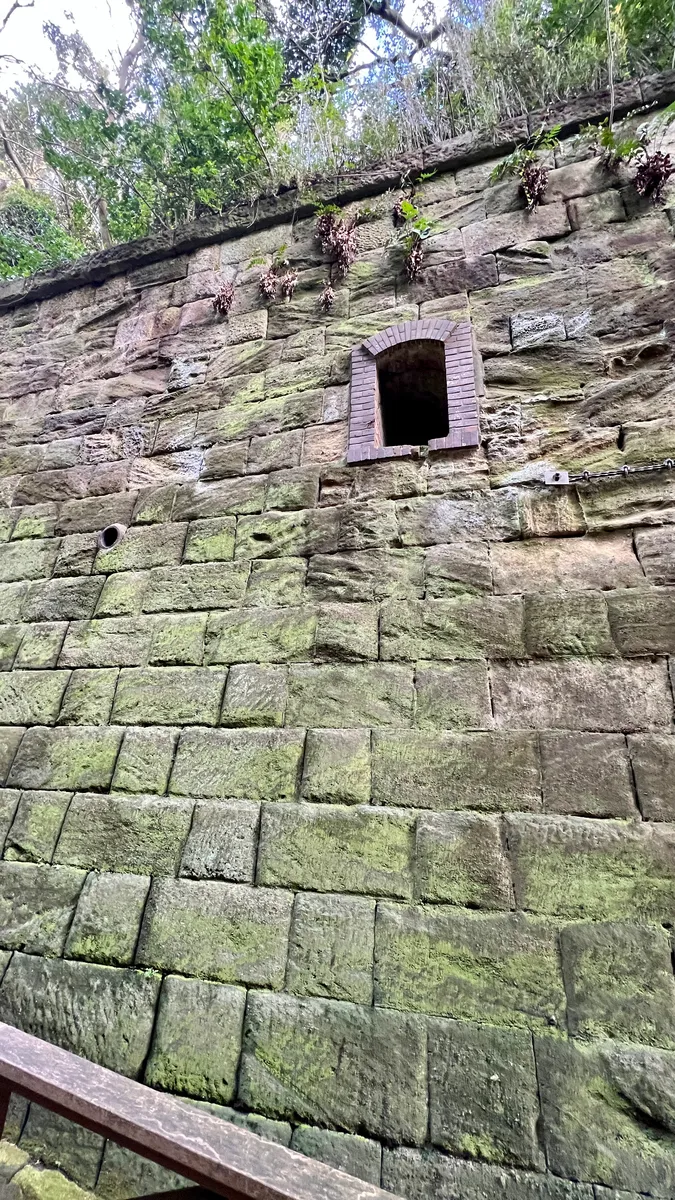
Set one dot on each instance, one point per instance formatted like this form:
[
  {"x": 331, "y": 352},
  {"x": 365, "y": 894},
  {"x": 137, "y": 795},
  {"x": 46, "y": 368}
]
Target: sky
[{"x": 104, "y": 24}]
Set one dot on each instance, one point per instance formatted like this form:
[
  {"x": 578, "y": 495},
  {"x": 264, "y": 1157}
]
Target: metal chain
[{"x": 561, "y": 478}]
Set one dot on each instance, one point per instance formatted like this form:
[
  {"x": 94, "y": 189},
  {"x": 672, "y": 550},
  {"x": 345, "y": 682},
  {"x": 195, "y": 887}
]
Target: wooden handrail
[{"x": 212, "y": 1153}]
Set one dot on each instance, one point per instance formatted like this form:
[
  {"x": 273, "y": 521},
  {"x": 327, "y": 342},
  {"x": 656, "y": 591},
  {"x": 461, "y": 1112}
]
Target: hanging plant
[
  {"x": 268, "y": 284},
  {"x": 288, "y": 283},
  {"x": 338, "y": 237},
  {"x": 223, "y": 299},
  {"x": 524, "y": 163},
  {"x": 411, "y": 237},
  {"x": 397, "y": 214},
  {"x": 327, "y": 297},
  {"x": 654, "y": 167},
  {"x": 652, "y": 175}
]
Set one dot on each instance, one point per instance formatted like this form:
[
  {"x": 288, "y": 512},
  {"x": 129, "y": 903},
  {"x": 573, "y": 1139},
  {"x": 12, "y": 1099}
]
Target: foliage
[
  {"x": 224, "y": 299},
  {"x": 524, "y": 162},
  {"x": 31, "y": 237},
  {"x": 337, "y": 236},
  {"x": 411, "y": 235}
]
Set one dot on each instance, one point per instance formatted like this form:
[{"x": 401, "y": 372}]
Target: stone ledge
[{"x": 288, "y": 204}]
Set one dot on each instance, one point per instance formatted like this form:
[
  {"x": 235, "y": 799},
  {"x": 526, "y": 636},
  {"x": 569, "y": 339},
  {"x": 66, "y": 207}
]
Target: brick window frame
[{"x": 366, "y": 433}]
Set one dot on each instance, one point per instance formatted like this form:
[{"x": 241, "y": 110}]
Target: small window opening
[
  {"x": 413, "y": 393},
  {"x": 110, "y": 536}
]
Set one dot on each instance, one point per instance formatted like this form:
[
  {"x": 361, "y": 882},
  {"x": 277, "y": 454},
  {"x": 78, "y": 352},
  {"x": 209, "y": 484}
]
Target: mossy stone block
[
  {"x": 461, "y": 568},
  {"x": 197, "y": 1041},
  {"x": 567, "y": 623},
  {"x": 89, "y": 697},
  {"x": 587, "y": 775},
  {"x": 287, "y": 534},
  {"x": 653, "y": 760},
  {"x": 140, "y": 835},
  {"x": 33, "y": 1184},
  {"x": 221, "y": 931},
  {"x": 61, "y": 1143},
  {"x": 145, "y": 760},
  {"x": 255, "y": 695},
  {"x": 223, "y": 841},
  {"x": 31, "y": 697},
  {"x": 579, "y": 868},
  {"x": 350, "y": 694},
  {"x": 367, "y": 575},
  {"x": 466, "y": 627},
  {"x": 179, "y": 638},
  {"x": 423, "y": 1174},
  {"x": 619, "y": 982},
  {"x": 37, "y": 903},
  {"x": 11, "y": 1159},
  {"x": 331, "y": 848},
  {"x": 11, "y": 637},
  {"x": 347, "y": 632},
  {"x": 460, "y": 859},
  {"x": 125, "y": 1175},
  {"x": 483, "y": 1100},
  {"x": 607, "y": 1114},
  {"x": 246, "y": 764},
  {"x": 348, "y": 1152},
  {"x": 9, "y": 743},
  {"x": 142, "y": 547},
  {"x": 261, "y": 635},
  {"x": 210, "y": 540},
  {"x": 108, "y": 642},
  {"x": 350, "y": 1067},
  {"x": 490, "y": 772},
  {"x": 41, "y": 646},
  {"x": 29, "y": 559},
  {"x": 108, "y": 918},
  {"x": 331, "y": 948},
  {"x": 104, "y": 1014},
  {"x": 502, "y": 968},
  {"x": 36, "y": 826},
  {"x": 66, "y": 758},
  {"x": 276, "y": 582},
  {"x": 643, "y": 620},
  {"x": 456, "y": 696},
  {"x": 336, "y": 767},
  {"x": 168, "y": 696},
  {"x": 123, "y": 594},
  {"x": 273, "y": 1131}
]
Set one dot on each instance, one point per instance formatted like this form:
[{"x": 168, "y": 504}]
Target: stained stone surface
[{"x": 335, "y": 787}]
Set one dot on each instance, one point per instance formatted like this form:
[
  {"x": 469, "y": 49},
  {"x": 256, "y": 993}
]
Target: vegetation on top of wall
[{"x": 218, "y": 100}]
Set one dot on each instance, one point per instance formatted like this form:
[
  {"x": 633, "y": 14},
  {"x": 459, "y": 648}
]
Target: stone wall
[{"x": 338, "y": 797}]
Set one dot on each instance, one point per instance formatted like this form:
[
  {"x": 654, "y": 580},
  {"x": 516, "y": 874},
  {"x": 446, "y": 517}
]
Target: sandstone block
[
  {"x": 491, "y": 772},
  {"x": 276, "y": 582},
  {"x": 210, "y": 540},
  {"x": 510, "y": 228},
  {"x": 354, "y": 1067},
  {"x": 336, "y": 768},
  {"x": 67, "y": 758},
  {"x": 11, "y": 637},
  {"x": 101, "y": 1013},
  {"x": 483, "y": 1099},
  {"x": 9, "y": 743},
  {"x": 331, "y": 948},
  {"x": 586, "y": 775},
  {"x": 41, "y": 646},
  {"x": 222, "y": 931},
  {"x": 585, "y": 695},
  {"x": 255, "y": 695},
  {"x": 31, "y": 559},
  {"x": 37, "y": 903},
  {"x": 247, "y": 764},
  {"x": 427, "y": 1174},
  {"x": 656, "y": 551},
  {"x": 145, "y": 760},
  {"x": 465, "y": 627},
  {"x": 598, "y": 1105},
  {"x": 61, "y": 600},
  {"x": 620, "y": 503},
  {"x": 169, "y": 696},
  {"x": 431, "y": 520},
  {"x": 203, "y": 585},
  {"x": 653, "y": 759},
  {"x": 366, "y": 575},
  {"x": 200, "y": 501},
  {"x": 31, "y": 697},
  {"x": 222, "y": 843},
  {"x": 123, "y": 594},
  {"x": 108, "y": 918},
  {"x": 348, "y": 1152},
  {"x": 59, "y": 1142},
  {"x": 261, "y": 635},
  {"x": 36, "y": 826},
  {"x": 179, "y": 638},
  {"x": 124, "y": 1175},
  {"x": 497, "y": 967},
  {"x": 109, "y": 642},
  {"x": 275, "y": 452},
  {"x": 329, "y": 848},
  {"x": 141, "y": 835},
  {"x": 286, "y": 534},
  {"x": 456, "y": 696},
  {"x": 347, "y": 632},
  {"x": 368, "y": 694},
  {"x": 89, "y": 697},
  {"x": 643, "y": 622},
  {"x": 619, "y": 982},
  {"x": 579, "y": 868},
  {"x": 595, "y": 563},
  {"x": 143, "y": 546},
  {"x": 567, "y": 623},
  {"x": 197, "y": 1040},
  {"x": 463, "y": 567},
  {"x": 460, "y": 860}
]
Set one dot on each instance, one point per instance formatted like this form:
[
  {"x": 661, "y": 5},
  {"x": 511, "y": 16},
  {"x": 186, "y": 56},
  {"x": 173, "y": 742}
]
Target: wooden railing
[{"x": 213, "y": 1154}]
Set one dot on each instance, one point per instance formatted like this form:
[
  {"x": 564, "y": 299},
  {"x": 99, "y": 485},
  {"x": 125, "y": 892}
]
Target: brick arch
[{"x": 366, "y": 438}]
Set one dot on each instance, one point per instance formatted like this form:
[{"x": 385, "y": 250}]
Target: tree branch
[
  {"x": 9, "y": 151},
  {"x": 15, "y": 5},
  {"x": 421, "y": 38}
]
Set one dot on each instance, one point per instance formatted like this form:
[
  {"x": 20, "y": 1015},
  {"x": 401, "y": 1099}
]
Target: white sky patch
[{"x": 106, "y": 25}]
